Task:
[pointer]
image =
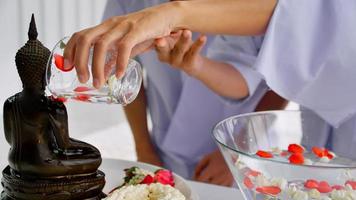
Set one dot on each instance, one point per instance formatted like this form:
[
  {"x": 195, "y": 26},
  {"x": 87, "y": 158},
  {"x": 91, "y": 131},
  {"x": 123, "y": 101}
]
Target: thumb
[
  {"x": 197, "y": 47},
  {"x": 142, "y": 48},
  {"x": 162, "y": 49}
]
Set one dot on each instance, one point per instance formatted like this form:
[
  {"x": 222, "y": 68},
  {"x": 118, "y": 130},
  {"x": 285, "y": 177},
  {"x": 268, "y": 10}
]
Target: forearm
[
  {"x": 271, "y": 101},
  {"x": 136, "y": 115},
  {"x": 238, "y": 17},
  {"x": 222, "y": 78}
]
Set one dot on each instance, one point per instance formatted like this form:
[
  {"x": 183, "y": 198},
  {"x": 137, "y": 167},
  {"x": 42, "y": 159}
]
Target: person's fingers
[
  {"x": 201, "y": 166},
  {"x": 124, "y": 48},
  {"x": 69, "y": 51},
  {"x": 181, "y": 47},
  {"x": 82, "y": 55},
  {"x": 196, "y": 47},
  {"x": 205, "y": 176},
  {"x": 78, "y": 47},
  {"x": 101, "y": 47},
  {"x": 172, "y": 39},
  {"x": 142, "y": 47},
  {"x": 162, "y": 49}
]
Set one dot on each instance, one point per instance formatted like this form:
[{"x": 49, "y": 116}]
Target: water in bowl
[{"x": 240, "y": 138}]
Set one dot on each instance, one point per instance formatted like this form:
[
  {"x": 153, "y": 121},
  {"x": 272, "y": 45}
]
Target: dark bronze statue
[{"x": 44, "y": 162}]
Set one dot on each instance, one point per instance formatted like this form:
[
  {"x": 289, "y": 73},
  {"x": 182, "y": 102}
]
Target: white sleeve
[{"x": 309, "y": 56}]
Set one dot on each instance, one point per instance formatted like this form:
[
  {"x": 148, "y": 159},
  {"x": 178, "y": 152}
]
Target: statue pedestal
[{"x": 76, "y": 187}]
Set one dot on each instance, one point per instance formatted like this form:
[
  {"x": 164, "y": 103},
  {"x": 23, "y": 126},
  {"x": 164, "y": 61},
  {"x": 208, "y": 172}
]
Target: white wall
[{"x": 55, "y": 19}]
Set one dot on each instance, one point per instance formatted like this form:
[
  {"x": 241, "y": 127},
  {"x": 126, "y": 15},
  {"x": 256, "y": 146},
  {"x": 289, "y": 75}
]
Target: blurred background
[{"x": 101, "y": 125}]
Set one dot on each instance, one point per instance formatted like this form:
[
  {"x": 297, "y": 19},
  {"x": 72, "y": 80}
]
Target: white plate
[{"x": 114, "y": 174}]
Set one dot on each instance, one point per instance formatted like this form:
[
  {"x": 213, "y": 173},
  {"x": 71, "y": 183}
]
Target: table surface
[{"x": 213, "y": 192}]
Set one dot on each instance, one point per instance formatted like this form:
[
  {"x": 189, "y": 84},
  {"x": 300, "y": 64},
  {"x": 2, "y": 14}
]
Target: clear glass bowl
[
  {"x": 242, "y": 138},
  {"x": 64, "y": 84}
]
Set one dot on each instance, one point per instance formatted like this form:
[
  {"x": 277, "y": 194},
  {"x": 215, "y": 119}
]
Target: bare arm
[
  {"x": 180, "y": 51},
  {"x": 223, "y": 79},
  {"x": 240, "y": 17},
  {"x": 136, "y": 115},
  {"x": 236, "y": 17},
  {"x": 271, "y": 101}
]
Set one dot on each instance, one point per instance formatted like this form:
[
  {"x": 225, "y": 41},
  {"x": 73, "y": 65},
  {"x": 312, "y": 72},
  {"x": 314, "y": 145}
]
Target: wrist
[
  {"x": 196, "y": 70},
  {"x": 178, "y": 10}
]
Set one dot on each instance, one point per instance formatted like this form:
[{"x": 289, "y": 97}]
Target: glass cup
[{"x": 63, "y": 83}]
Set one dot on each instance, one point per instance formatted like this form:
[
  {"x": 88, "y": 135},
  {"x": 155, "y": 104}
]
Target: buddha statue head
[{"x": 31, "y": 61}]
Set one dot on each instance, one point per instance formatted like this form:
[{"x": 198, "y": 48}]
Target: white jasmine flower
[
  {"x": 300, "y": 195},
  {"x": 324, "y": 159},
  {"x": 351, "y": 194},
  {"x": 276, "y": 150},
  {"x": 154, "y": 191},
  {"x": 308, "y": 162},
  {"x": 239, "y": 164},
  {"x": 338, "y": 194},
  {"x": 164, "y": 192},
  {"x": 137, "y": 192},
  {"x": 348, "y": 187},
  {"x": 261, "y": 181},
  {"x": 280, "y": 182},
  {"x": 325, "y": 198},
  {"x": 314, "y": 193},
  {"x": 291, "y": 191}
]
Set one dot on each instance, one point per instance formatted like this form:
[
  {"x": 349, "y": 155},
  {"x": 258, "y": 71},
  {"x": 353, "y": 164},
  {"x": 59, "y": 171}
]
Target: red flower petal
[
  {"x": 147, "y": 180},
  {"x": 59, "y": 62},
  {"x": 269, "y": 190},
  {"x": 164, "y": 176},
  {"x": 61, "y": 99},
  {"x": 330, "y": 156},
  {"x": 253, "y": 173},
  {"x": 82, "y": 89},
  {"x": 319, "y": 152},
  {"x": 248, "y": 183},
  {"x": 311, "y": 184},
  {"x": 352, "y": 184},
  {"x": 296, "y": 158},
  {"x": 264, "y": 154},
  {"x": 324, "y": 187},
  {"x": 284, "y": 153},
  {"x": 58, "y": 99},
  {"x": 82, "y": 97},
  {"x": 338, "y": 187},
  {"x": 295, "y": 148},
  {"x": 164, "y": 173}
]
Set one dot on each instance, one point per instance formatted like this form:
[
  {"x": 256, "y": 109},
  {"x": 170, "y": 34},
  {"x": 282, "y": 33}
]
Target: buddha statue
[{"x": 44, "y": 162}]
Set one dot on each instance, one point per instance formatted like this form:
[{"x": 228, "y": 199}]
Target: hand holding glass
[{"x": 63, "y": 83}]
